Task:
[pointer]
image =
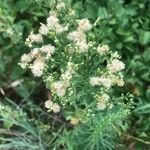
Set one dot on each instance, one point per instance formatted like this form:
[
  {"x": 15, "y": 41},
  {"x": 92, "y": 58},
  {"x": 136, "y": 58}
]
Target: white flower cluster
[
  {"x": 102, "y": 101},
  {"x": 115, "y": 65},
  {"x": 112, "y": 76},
  {"x": 84, "y": 25},
  {"x": 52, "y": 25},
  {"x": 79, "y": 37},
  {"x": 104, "y": 81},
  {"x": 60, "y": 87},
  {"x": 34, "y": 38},
  {"x": 37, "y": 67},
  {"x": 117, "y": 80},
  {"x": 37, "y": 56},
  {"x": 102, "y": 49},
  {"x": 64, "y": 80},
  {"x": 107, "y": 82},
  {"x": 43, "y": 30},
  {"x": 52, "y": 106}
]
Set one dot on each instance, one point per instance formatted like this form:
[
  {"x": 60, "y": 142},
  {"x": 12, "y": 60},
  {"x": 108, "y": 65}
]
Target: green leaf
[
  {"x": 146, "y": 55},
  {"x": 2, "y": 66},
  {"x": 144, "y": 37},
  {"x": 148, "y": 93},
  {"x": 23, "y": 5},
  {"x": 146, "y": 76},
  {"x": 91, "y": 12},
  {"x": 143, "y": 109},
  {"x": 8, "y": 124},
  {"x": 102, "y": 13}
]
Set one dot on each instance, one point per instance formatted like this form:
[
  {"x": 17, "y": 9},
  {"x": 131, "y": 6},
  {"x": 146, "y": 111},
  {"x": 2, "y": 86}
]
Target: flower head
[
  {"x": 84, "y": 25},
  {"x": 43, "y": 29},
  {"x": 25, "y": 60},
  {"x": 49, "y": 104},
  {"x": 34, "y": 38},
  {"x": 102, "y": 49},
  {"x": 105, "y": 81},
  {"x": 94, "y": 81},
  {"x": 82, "y": 47},
  {"x": 102, "y": 101},
  {"x": 59, "y": 88},
  {"x": 52, "y": 21},
  {"x": 55, "y": 108},
  {"x": 37, "y": 67},
  {"x": 48, "y": 50},
  {"x": 52, "y": 106},
  {"x": 76, "y": 36},
  {"x": 115, "y": 65}
]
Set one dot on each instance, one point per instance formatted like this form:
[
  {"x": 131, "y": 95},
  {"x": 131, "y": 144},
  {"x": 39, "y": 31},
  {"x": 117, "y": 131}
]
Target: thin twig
[
  {"x": 16, "y": 133},
  {"x": 130, "y": 136},
  {"x": 138, "y": 139}
]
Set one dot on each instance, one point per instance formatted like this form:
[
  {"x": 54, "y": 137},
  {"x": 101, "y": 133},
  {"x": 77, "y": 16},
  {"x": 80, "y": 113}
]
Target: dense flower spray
[{"x": 80, "y": 72}]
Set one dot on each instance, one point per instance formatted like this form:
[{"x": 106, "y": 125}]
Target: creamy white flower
[
  {"x": 115, "y": 55},
  {"x": 52, "y": 21},
  {"x": 117, "y": 80},
  {"x": 94, "y": 81},
  {"x": 76, "y": 36},
  {"x": 102, "y": 49},
  {"x": 115, "y": 65},
  {"x": 59, "y": 28},
  {"x": 35, "y": 52},
  {"x": 102, "y": 101},
  {"x": 84, "y": 25},
  {"x": 34, "y": 38},
  {"x": 82, "y": 47},
  {"x": 37, "y": 67},
  {"x": 25, "y": 60},
  {"x": 101, "y": 106},
  {"x": 106, "y": 82},
  {"x": 53, "y": 24},
  {"x": 67, "y": 75},
  {"x": 120, "y": 82},
  {"x": 56, "y": 108},
  {"x": 104, "y": 97},
  {"x": 59, "y": 88},
  {"x": 52, "y": 106},
  {"x": 48, "y": 50},
  {"x": 70, "y": 66},
  {"x": 23, "y": 65},
  {"x": 49, "y": 104},
  {"x": 43, "y": 29}
]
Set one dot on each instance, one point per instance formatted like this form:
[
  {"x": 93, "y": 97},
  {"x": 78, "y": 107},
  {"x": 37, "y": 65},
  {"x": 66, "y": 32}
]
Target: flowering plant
[{"x": 80, "y": 72}]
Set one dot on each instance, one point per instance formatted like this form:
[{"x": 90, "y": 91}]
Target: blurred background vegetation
[{"x": 124, "y": 25}]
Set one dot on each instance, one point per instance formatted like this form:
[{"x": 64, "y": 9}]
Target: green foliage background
[{"x": 124, "y": 25}]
